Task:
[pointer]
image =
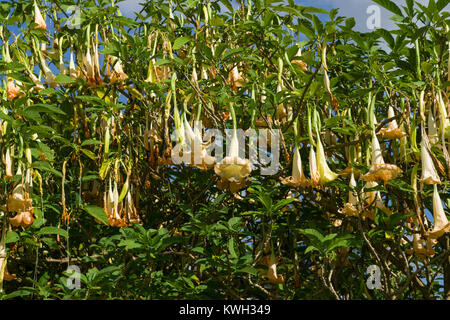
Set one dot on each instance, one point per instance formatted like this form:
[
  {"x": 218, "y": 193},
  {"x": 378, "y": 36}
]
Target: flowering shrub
[{"x": 104, "y": 169}]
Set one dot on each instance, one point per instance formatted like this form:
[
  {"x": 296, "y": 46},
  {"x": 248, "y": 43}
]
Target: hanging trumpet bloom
[
  {"x": 72, "y": 70},
  {"x": 350, "y": 207},
  {"x": 432, "y": 128},
  {"x": 392, "y": 131},
  {"x": 233, "y": 170},
  {"x": 271, "y": 273},
  {"x": 112, "y": 206},
  {"x": 22, "y": 219},
  {"x": 373, "y": 198},
  {"x": 298, "y": 177},
  {"x": 12, "y": 89},
  {"x": 313, "y": 171},
  {"x": 421, "y": 248},
  {"x": 429, "y": 173},
  {"x": 7, "y": 276},
  {"x": 441, "y": 224},
  {"x": 380, "y": 170},
  {"x": 326, "y": 175},
  {"x": 38, "y": 19},
  {"x": 130, "y": 209},
  {"x": 298, "y": 62},
  {"x": 235, "y": 79},
  {"x": 19, "y": 200},
  {"x": 198, "y": 155},
  {"x": 8, "y": 162},
  {"x": 118, "y": 75}
]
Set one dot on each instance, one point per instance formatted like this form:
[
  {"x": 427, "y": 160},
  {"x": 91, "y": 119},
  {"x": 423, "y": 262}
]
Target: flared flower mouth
[
  {"x": 429, "y": 173},
  {"x": 421, "y": 248},
  {"x": 380, "y": 170},
  {"x": 233, "y": 169},
  {"x": 350, "y": 207},
  {"x": 19, "y": 200},
  {"x": 271, "y": 273},
  {"x": 392, "y": 131},
  {"x": 373, "y": 198},
  {"x": 384, "y": 172},
  {"x": 298, "y": 177},
  {"x": 326, "y": 175},
  {"x": 22, "y": 219},
  {"x": 12, "y": 90},
  {"x": 441, "y": 223}
]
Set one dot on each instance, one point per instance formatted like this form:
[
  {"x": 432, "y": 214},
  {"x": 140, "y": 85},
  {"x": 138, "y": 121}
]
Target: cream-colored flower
[
  {"x": 19, "y": 200},
  {"x": 441, "y": 224},
  {"x": 38, "y": 19},
  {"x": 298, "y": 177},
  {"x": 298, "y": 62},
  {"x": 12, "y": 90},
  {"x": 23, "y": 219},
  {"x": 130, "y": 209},
  {"x": 233, "y": 169},
  {"x": 197, "y": 153},
  {"x": 112, "y": 206},
  {"x": 350, "y": 207},
  {"x": 326, "y": 175},
  {"x": 429, "y": 173},
  {"x": 380, "y": 170},
  {"x": 432, "y": 128},
  {"x": 118, "y": 75},
  {"x": 421, "y": 248},
  {"x": 271, "y": 273},
  {"x": 8, "y": 162},
  {"x": 392, "y": 131},
  {"x": 373, "y": 198}
]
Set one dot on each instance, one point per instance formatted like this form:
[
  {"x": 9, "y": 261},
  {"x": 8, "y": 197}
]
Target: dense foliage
[{"x": 92, "y": 113}]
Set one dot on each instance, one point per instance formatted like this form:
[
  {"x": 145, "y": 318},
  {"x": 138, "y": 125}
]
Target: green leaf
[
  {"x": 11, "y": 237},
  {"x": 62, "y": 78},
  {"x": 389, "y": 5},
  {"x": 53, "y": 230},
  {"x": 249, "y": 270},
  {"x": 179, "y": 42},
  {"x": 98, "y": 213}
]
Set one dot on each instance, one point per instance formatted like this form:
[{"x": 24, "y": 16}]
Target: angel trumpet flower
[
  {"x": 429, "y": 173},
  {"x": 198, "y": 155},
  {"x": 12, "y": 90},
  {"x": 313, "y": 172},
  {"x": 23, "y": 219},
  {"x": 118, "y": 75},
  {"x": 233, "y": 170},
  {"x": 19, "y": 200},
  {"x": 432, "y": 129},
  {"x": 374, "y": 198},
  {"x": 326, "y": 175},
  {"x": 392, "y": 131},
  {"x": 350, "y": 207},
  {"x": 271, "y": 273},
  {"x": 8, "y": 161},
  {"x": 441, "y": 224},
  {"x": 130, "y": 209},
  {"x": 298, "y": 177},
  {"x": 112, "y": 206},
  {"x": 421, "y": 247},
  {"x": 38, "y": 19},
  {"x": 380, "y": 170},
  {"x": 298, "y": 62}
]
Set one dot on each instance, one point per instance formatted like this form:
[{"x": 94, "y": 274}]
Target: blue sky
[{"x": 347, "y": 8}]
